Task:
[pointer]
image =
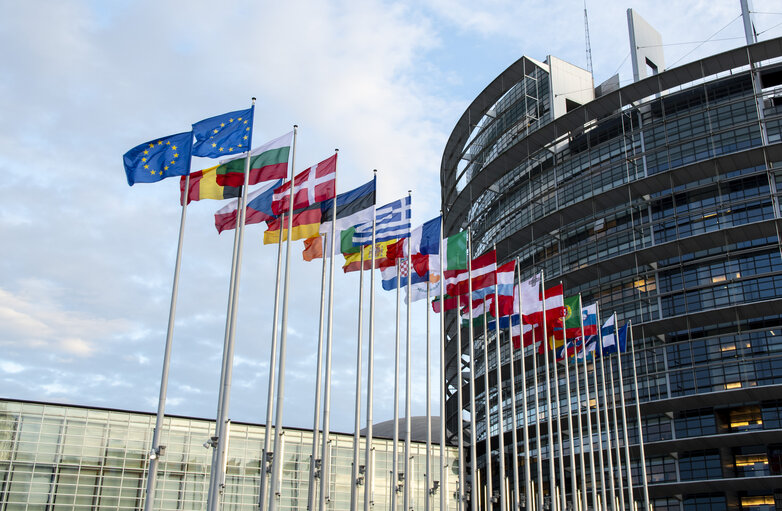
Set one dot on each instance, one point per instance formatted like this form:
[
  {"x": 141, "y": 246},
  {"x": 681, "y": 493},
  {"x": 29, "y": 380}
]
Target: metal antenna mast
[{"x": 586, "y": 33}]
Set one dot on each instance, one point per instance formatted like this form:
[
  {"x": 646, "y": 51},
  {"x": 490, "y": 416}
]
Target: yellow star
[
  {"x": 239, "y": 119},
  {"x": 214, "y": 145},
  {"x": 230, "y": 120},
  {"x": 176, "y": 155},
  {"x": 143, "y": 159},
  {"x": 173, "y": 147},
  {"x": 165, "y": 168},
  {"x": 151, "y": 145},
  {"x": 161, "y": 172},
  {"x": 239, "y": 145},
  {"x": 168, "y": 142},
  {"x": 159, "y": 142},
  {"x": 245, "y": 122},
  {"x": 230, "y": 149},
  {"x": 146, "y": 166},
  {"x": 222, "y": 125},
  {"x": 245, "y": 137},
  {"x": 172, "y": 162},
  {"x": 221, "y": 149},
  {"x": 215, "y": 131},
  {"x": 152, "y": 172},
  {"x": 248, "y": 129},
  {"x": 146, "y": 152}
]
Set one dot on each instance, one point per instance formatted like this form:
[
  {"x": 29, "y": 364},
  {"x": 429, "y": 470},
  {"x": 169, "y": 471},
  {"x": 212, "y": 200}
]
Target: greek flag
[{"x": 392, "y": 222}]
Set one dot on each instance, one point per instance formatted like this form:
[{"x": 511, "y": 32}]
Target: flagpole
[
  {"x": 428, "y": 494},
  {"x": 368, "y": 468},
  {"x": 516, "y": 503},
  {"x": 266, "y": 454},
  {"x": 560, "y": 449},
  {"x": 325, "y": 460},
  {"x": 538, "y": 443},
  {"x": 474, "y": 497},
  {"x": 318, "y": 375},
  {"x": 274, "y": 492},
  {"x": 609, "y": 454},
  {"x": 525, "y": 411},
  {"x": 489, "y": 484},
  {"x": 158, "y": 450},
  {"x": 638, "y": 418},
  {"x": 551, "y": 467},
  {"x": 584, "y": 500},
  {"x": 619, "y": 474},
  {"x": 500, "y": 418},
  {"x": 357, "y": 406},
  {"x": 573, "y": 476},
  {"x": 459, "y": 398},
  {"x": 443, "y": 485},
  {"x": 408, "y": 379},
  {"x": 598, "y": 420},
  {"x": 628, "y": 468},
  {"x": 220, "y": 440},
  {"x": 395, "y": 460}
]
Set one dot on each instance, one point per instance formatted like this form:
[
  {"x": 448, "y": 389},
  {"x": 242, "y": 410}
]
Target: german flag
[
  {"x": 306, "y": 223},
  {"x": 203, "y": 185}
]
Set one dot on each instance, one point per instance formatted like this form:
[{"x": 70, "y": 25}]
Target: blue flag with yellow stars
[
  {"x": 159, "y": 158},
  {"x": 223, "y": 135}
]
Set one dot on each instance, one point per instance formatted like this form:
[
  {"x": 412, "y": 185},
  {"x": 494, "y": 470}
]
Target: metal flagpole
[
  {"x": 408, "y": 379},
  {"x": 538, "y": 442},
  {"x": 588, "y": 403},
  {"x": 474, "y": 497},
  {"x": 427, "y": 495},
  {"x": 550, "y": 412},
  {"x": 266, "y": 454},
  {"x": 515, "y": 502},
  {"x": 325, "y": 459},
  {"x": 598, "y": 421},
  {"x": 638, "y": 419},
  {"x": 443, "y": 485},
  {"x": 318, "y": 375},
  {"x": 158, "y": 450},
  {"x": 527, "y": 469},
  {"x": 573, "y": 476},
  {"x": 357, "y": 409},
  {"x": 460, "y": 414},
  {"x": 220, "y": 440},
  {"x": 274, "y": 488},
  {"x": 585, "y": 502},
  {"x": 368, "y": 474},
  {"x": 500, "y": 418},
  {"x": 619, "y": 475},
  {"x": 487, "y": 409},
  {"x": 609, "y": 454},
  {"x": 628, "y": 468},
  {"x": 558, "y": 424},
  {"x": 395, "y": 461}
]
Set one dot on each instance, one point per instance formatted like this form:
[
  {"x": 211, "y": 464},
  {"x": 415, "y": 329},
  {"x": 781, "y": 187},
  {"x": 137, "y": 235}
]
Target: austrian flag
[{"x": 315, "y": 184}]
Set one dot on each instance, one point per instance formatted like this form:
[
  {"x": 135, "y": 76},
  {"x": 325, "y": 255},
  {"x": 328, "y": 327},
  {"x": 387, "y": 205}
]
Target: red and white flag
[
  {"x": 484, "y": 274},
  {"x": 315, "y": 184}
]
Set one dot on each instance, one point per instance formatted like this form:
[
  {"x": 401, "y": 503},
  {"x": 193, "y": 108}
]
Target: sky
[{"x": 87, "y": 262}]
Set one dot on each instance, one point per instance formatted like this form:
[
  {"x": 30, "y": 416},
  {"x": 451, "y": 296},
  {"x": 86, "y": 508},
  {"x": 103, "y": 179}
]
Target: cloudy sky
[{"x": 87, "y": 262}]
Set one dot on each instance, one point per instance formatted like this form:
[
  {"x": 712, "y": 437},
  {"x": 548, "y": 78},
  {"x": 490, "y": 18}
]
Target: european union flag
[
  {"x": 225, "y": 134},
  {"x": 159, "y": 158}
]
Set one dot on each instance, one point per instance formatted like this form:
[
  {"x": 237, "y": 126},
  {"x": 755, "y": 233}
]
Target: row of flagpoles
[{"x": 425, "y": 262}]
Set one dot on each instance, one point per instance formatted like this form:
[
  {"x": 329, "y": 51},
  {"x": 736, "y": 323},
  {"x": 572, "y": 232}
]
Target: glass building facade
[
  {"x": 60, "y": 457},
  {"x": 659, "y": 200}
]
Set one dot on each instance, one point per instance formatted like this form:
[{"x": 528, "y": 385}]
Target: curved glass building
[{"x": 660, "y": 200}]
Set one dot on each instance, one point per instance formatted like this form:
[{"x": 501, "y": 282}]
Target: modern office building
[
  {"x": 62, "y": 457},
  {"x": 660, "y": 200}
]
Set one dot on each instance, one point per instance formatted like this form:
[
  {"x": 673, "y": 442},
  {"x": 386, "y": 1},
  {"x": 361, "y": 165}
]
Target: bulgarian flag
[
  {"x": 259, "y": 208},
  {"x": 203, "y": 185},
  {"x": 267, "y": 162},
  {"x": 305, "y": 225}
]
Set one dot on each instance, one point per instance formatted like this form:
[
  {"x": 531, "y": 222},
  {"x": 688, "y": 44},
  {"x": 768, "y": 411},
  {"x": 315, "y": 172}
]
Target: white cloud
[{"x": 11, "y": 367}]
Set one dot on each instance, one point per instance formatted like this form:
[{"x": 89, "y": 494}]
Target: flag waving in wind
[
  {"x": 259, "y": 208},
  {"x": 392, "y": 222},
  {"x": 223, "y": 135},
  {"x": 158, "y": 159},
  {"x": 315, "y": 184}
]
